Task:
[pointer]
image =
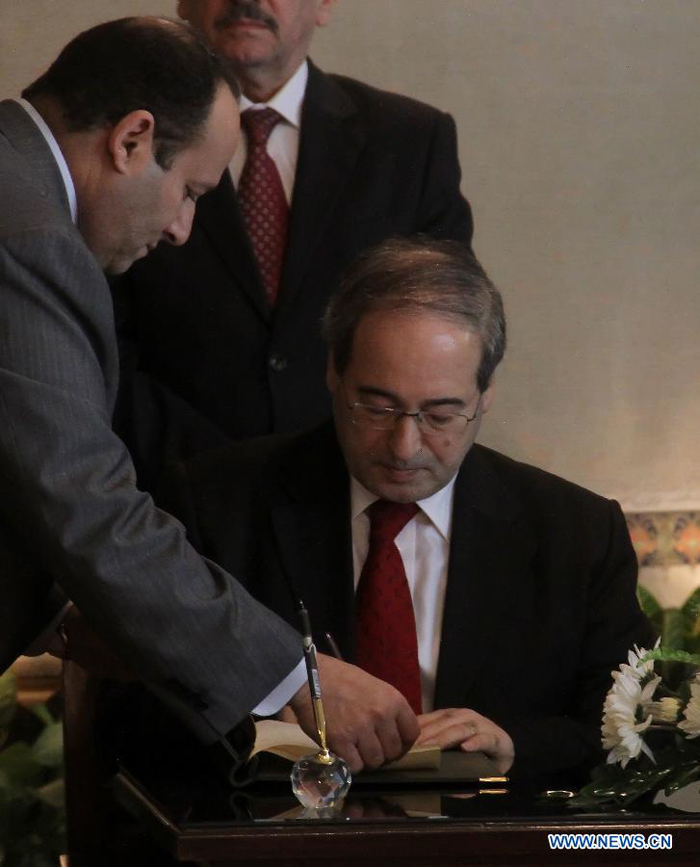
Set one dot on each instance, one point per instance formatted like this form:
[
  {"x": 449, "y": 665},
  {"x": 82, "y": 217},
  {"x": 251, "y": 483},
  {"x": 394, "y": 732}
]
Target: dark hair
[
  {"x": 121, "y": 66},
  {"x": 418, "y": 275}
]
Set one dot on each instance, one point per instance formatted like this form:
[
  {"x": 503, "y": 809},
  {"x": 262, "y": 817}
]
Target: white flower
[
  {"x": 621, "y": 731},
  {"x": 691, "y": 722},
  {"x": 636, "y": 667},
  {"x": 663, "y": 711}
]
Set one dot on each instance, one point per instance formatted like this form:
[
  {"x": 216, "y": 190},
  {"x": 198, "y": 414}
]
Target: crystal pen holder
[{"x": 321, "y": 781}]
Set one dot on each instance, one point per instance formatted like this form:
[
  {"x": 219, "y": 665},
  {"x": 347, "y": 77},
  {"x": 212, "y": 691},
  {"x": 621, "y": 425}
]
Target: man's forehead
[
  {"x": 399, "y": 350},
  {"x": 385, "y": 324}
]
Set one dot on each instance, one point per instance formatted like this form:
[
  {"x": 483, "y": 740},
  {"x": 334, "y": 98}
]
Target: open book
[
  {"x": 288, "y": 741},
  {"x": 278, "y": 744}
]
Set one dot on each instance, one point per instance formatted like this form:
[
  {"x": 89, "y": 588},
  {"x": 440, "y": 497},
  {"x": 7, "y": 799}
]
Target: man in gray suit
[{"x": 102, "y": 159}]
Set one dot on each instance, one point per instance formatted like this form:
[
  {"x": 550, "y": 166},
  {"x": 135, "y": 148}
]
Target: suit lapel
[
  {"x": 220, "y": 219},
  {"x": 489, "y": 552},
  {"x": 309, "y": 511},
  {"x": 331, "y": 141}
]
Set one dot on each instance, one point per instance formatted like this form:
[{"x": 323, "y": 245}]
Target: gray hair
[{"x": 418, "y": 275}]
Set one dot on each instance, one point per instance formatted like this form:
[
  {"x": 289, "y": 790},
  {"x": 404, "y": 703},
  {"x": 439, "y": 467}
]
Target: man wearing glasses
[{"x": 496, "y": 597}]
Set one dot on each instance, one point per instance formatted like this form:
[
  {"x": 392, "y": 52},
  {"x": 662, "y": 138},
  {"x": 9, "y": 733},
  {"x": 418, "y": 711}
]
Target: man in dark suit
[
  {"x": 238, "y": 343},
  {"x": 522, "y": 585},
  {"x": 102, "y": 160}
]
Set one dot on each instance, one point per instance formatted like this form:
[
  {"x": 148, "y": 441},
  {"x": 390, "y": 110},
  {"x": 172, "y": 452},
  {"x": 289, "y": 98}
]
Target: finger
[
  {"x": 443, "y": 715},
  {"x": 452, "y": 735},
  {"x": 427, "y": 718},
  {"x": 370, "y": 749},
  {"x": 485, "y": 743},
  {"x": 287, "y": 715},
  {"x": 347, "y": 750},
  {"x": 407, "y": 726},
  {"x": 390, "y": 740},
  {"x": 439, "y": 726},
  {"x": 493, "y": 748},
  {"x": 429, "y": 734}
]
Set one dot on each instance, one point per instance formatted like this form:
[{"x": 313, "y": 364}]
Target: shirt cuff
[{"x": 281, "y": 694}]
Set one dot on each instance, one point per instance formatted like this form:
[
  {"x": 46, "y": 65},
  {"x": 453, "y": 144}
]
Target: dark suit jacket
[
  {"x": 70, "y": 511},
  {"x": 371, "y": 164},
  {"x": 540, "y": 604}
]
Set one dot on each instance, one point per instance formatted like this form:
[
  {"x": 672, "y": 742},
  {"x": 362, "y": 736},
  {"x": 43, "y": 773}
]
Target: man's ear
[
  {"x": 487, "y": 398},
  {"x": 130, "y": 142},
  {"x": 324, "y": 12}
]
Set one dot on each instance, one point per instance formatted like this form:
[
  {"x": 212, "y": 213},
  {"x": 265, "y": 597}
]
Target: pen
[
  {"x": 335, "y": 650},
  {"x": 314, "y": 683}
]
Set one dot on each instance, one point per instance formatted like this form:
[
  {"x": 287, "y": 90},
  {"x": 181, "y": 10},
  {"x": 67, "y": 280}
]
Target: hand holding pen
[{"x": 367, "y": 722}]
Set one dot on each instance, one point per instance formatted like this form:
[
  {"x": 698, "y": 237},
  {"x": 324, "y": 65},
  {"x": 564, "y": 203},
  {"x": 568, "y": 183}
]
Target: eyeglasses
[{"x": 430, "y": 421}]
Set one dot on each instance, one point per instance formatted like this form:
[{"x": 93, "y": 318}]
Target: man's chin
[
  {"x": 114, "y": 269},
  {"x": 245, "y": 46},
  {"x": 402, "y": 487},
  {"x": 122, "y": 265}
]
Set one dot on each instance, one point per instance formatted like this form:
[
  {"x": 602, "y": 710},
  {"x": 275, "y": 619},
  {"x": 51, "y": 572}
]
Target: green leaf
[
  {"x": 610, "y": 784},
  {"x": 43, "y": 713},
  {"x": 53, "y": 793},
  {"x": 673, "y": 629},
  {"x": 691, "y": 611},
  {"x": 681, "y": 777},
  {"x": 18, "y": 767},
  {"x": 34, "y": 834},
  {"x": 661, "y": 653},
  {"x": 650, "y": 607},
  {"x": 48, "y": 747}
]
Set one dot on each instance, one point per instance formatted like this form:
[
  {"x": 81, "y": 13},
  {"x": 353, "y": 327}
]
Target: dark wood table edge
[{"x": 504, "y": 840}]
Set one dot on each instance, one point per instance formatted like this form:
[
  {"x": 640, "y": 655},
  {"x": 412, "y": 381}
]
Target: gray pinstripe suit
[{"x": 70, "y": 513}]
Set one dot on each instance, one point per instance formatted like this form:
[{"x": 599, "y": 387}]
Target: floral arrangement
[
  {"x": 651, "y": 728},
  {"x": 32, "y": 814}
]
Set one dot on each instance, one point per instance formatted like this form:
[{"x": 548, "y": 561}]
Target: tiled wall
[{"x": 668, "y": 550}]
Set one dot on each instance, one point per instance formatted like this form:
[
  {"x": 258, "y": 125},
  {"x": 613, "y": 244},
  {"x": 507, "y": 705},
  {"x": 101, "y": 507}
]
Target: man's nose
[
  {"x": 178, "y": 231},
  {"x": 406, "y": 439}
]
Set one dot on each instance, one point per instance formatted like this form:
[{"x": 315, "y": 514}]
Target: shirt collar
[
  {"x": 437, "y": 507},
  {"x": 57, "y": 154},
  {"x": 288, "y": 100}
]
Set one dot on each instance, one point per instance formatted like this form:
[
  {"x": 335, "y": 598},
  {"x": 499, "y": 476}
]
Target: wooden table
[{"x": 458, "y": 828}]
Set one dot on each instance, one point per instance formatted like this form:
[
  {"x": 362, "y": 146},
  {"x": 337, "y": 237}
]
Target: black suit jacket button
[{"x": 277, "y": 362}]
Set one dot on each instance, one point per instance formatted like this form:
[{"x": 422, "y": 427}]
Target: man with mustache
[
  {"x": 497, "y": 597},
  {"x": 102, "y": 159},
  {"x": 229, "y": 321}
]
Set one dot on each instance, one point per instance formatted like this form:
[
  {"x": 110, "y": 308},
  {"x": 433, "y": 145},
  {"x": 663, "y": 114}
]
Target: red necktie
[
  {"x": 385, "y": 625},
  {"x": 262, "y": 199}
]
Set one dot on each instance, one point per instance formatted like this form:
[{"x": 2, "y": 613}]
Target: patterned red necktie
[
  {"x": 262, "y": 199},
  {"x": 385, "y": 625}
]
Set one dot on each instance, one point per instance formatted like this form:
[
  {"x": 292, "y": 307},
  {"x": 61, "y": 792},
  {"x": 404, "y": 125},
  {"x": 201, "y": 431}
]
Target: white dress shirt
[
  {"x": 424, "y": 545},
  {"x": 57, "y": 155},
  {"x": 283, "y": 144}
]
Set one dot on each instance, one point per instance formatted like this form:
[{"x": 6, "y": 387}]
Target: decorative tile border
[{"x": 665, "y": 538}]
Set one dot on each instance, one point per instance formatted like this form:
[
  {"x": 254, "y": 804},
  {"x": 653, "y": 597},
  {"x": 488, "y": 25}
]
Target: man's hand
[
  {"x": 468, "y": 730},
  {"x": 369, "y": 722}
]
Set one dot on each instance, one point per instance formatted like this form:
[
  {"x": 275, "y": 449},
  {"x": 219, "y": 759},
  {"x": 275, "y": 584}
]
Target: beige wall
[{"x": 579, "y": 141}]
